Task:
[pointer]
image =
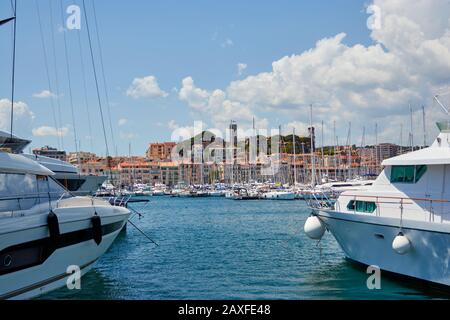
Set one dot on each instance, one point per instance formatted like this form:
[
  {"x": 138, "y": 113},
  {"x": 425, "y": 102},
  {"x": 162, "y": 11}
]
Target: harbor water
[{"x": 215, "y": 248}]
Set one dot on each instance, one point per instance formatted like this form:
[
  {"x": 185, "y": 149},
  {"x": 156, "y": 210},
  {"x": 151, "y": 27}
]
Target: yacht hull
[
  {"x": 76, "y": 247},
  {"x": 279, "y": 196},
  {"x": 368, "y": 240}
]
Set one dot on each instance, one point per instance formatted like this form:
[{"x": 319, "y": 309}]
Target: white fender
[
  {"x": 314, "y": 228},
  {"x": 401, "y": 244}
]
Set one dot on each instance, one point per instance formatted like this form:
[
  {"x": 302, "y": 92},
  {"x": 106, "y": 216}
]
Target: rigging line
[
  {"x": 96, "y": 82},
  {"x": 142, "y": 232},
  {"x": 86, "y": 100},
  {"x": 100, "y": 51},
  {"x": 13, "y": 75},
  {"x": 56, "y": 75},
  {"x": 52, "y": 103},
  {"x": 69, "y": 82}
]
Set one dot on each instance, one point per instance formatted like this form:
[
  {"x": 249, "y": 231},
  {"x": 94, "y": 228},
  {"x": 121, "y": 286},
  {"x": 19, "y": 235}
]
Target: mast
[
  {"x": 279, "y": 151},
  {"x": 13, "y": 74},
  {"x": 334, "y": 150},
  {"x": 322, "y": 162},
  {"x": 69, "y": 82},
  {"x": 349, "y": 152},
  {"x": 424, "y": 127},
  {"x": 363, "y": 152},
  {"x": 411, "y": 135},
  {"x": 313, "y": 160},
  {"x": 255, "y": 145},
  {"x": 401, "y": 138},
  {"x": 295, "y": 156},
  {"x": 376, "y": 147}
]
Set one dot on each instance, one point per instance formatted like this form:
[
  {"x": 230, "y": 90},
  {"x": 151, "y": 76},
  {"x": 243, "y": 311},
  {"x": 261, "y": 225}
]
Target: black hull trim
[{"x": 34, "y": 253}]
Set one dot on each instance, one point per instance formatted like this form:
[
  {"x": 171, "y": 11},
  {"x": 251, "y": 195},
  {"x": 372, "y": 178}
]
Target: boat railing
[
  {"x": 428, "y": 204},
  {"x": 319, "y": 200},
  {"x": 15, "y": 203}
]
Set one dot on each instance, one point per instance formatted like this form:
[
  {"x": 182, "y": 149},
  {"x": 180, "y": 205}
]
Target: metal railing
[
  {"x": 428, "y": 204},
  {"x": 16, "y": 203},
  {"x": 320, "y": 200}
]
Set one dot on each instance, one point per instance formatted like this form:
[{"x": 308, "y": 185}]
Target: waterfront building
[
  {"x": 97, "y": 167},
  {"x": 387, "y": 150},
  {"x": 75, "y": 158},
  {"x": 139, "y": 172},
  {"x": 160, "y": 151},
  {"x": 169, "y": 173}
]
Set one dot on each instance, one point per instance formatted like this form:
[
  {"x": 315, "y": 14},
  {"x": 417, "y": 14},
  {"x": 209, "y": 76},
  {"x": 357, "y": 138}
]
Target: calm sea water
[{"x": 215, "y": 248}]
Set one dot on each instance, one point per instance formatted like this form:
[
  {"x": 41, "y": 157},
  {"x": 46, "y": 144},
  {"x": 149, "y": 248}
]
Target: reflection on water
[{"x": 214, "y": 248}]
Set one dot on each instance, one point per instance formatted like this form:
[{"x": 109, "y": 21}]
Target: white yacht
[
  {"x": 44, "y": 230},
  {"x": 402, "y": 222},
  {"x": 278, "y": 195},
  {"x": 69, "y": 176},
  {"x": 65, "y": 173}
]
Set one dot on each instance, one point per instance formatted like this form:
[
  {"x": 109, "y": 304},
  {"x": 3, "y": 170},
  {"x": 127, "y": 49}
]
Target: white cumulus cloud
[
  {"x": 146, "y": 87},
  {"x": 44, "y": 94},
  {"x": 407, "y": 63},
  {"x": 46, "y": 131},
  {"x": 23, "y": 117}
]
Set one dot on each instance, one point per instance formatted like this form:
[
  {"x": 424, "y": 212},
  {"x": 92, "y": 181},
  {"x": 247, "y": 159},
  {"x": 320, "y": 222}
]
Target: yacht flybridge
[
  {"x": 44, "y": 229},
  {"x": 402, "y": 222}
]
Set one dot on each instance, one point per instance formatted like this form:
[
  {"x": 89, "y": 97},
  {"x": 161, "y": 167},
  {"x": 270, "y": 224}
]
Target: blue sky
[{"x": 170, "y": 40}]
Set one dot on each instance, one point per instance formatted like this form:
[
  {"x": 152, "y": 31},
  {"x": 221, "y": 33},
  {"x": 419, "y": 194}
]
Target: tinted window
[
  {"x": 407, "y": 174},
  {"x": 362, "y": 206}
]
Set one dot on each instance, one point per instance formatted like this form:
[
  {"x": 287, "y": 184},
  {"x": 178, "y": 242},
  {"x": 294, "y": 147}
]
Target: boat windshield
[{"x": 24, "y": 191}]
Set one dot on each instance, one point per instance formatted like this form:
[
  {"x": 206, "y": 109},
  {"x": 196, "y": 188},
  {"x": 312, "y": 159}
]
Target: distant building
[
  {"x": 160, "y": 151},
  {"x": 169, "y": 173},
  {"x": 94, "y": 167},
  {"x": 51, "y": 153},
  {"x": 387, "y": 150},
  {"x": 139, "y": 172},
  {"x": 74, "y": 158}
]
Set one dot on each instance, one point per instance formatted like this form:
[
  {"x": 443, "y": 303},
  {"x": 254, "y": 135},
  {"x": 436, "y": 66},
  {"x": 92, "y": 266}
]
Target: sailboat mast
[
  {"x": 295, "y": 156},
  {"x": 411, "y": 135},
  {"x": 363, "y": 152},
  {"x": 313, "y": 160},
  {"x": 349, "y": 152},
  {"x": 334, "y": 150},
  {"x": 424, "y": 127},
  {"x": 279, "y": 152},
  {"x": 322, "y": 162},
  {"x": 13, "y": 74},
  {"x": 401, "y": 138},
  {"x": 376, "y": 147}
]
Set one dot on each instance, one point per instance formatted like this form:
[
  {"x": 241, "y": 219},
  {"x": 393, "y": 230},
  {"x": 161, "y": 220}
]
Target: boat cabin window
[
  {"x": 24, "y": 191},
  {"x": 362, "y": 206},
  {"x": 407, "y": 174}
]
